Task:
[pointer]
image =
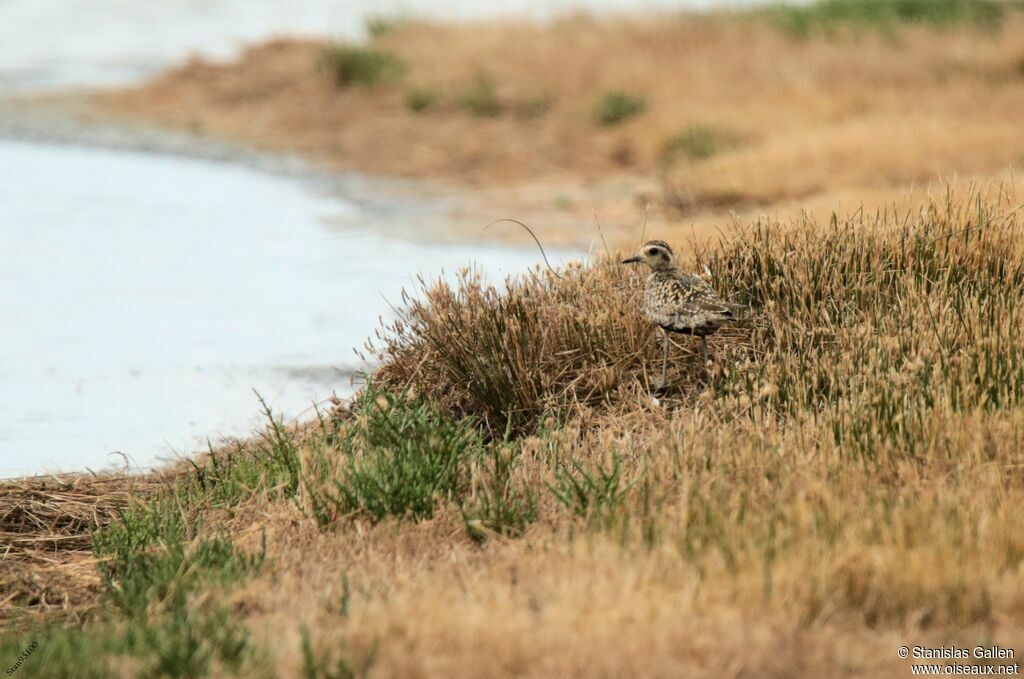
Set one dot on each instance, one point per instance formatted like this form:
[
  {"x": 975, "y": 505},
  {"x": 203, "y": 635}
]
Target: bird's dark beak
[{"x": 632, "y": 260}]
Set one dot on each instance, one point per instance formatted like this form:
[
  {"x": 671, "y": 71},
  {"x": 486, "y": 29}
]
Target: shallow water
[{"x": 146, "y": 297}]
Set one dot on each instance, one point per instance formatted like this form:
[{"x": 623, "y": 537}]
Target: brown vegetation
[
  {"x": 842, "y": 479},
  {"x": 47, "y": 567},
  {"x": 863, "y": 116}
]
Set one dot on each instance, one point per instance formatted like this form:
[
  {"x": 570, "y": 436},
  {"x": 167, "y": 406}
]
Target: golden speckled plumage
[
  {"x": 677, "y": 302},
  {"x": 685, "y": 304}
]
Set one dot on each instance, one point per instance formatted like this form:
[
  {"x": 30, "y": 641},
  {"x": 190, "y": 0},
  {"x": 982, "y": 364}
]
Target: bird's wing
[
  {"x": 702, "y": 307},
  {"x": 687, "y": 303},
  {"x": 697, "y": 297}
]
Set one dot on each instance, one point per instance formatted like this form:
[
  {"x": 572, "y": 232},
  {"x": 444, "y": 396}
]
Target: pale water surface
[{"x": 145, "y": 297}]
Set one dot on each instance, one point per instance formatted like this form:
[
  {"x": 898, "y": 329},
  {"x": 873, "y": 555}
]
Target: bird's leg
[
  {"x": 705, "y": 341},
  {"x": 664, "y": 361}
]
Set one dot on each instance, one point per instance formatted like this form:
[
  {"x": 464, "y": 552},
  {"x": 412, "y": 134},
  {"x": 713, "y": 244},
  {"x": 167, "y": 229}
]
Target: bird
[{"x": 678, "y": 302}]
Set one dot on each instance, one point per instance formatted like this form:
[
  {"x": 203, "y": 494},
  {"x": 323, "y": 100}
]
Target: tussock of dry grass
[
  {"x": 837, "y": 313},
  {"x": 544, "y": 345}
]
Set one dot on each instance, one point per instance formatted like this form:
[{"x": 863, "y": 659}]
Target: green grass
[
  {"x": 481, "y": 99},
  {"x": 65, "y": 652},
  {"x": 157, "y": 560},
  {"x": 183, "y": 641},
  {"x": 360, "y": 66},
  {"x": 333, "y": 663},
  {"x": 500, "y": 505},
  {"x": 400, "y": 460},
  {"x": 616, "y": 106},
  {"x": 828, "y": 15},
  {"x": 592, "y": 492},
  {"x": 697, "y": 142},
  {"x": 164, "y": 566},
  {"x": 419, "y": 100},
  {"x": 149, "y": 613}
]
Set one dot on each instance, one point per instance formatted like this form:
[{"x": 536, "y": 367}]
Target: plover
[{"x": 677, "y": 302}]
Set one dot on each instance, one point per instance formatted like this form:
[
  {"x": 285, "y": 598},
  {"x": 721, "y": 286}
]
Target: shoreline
[{"x": 414, "y": 209}]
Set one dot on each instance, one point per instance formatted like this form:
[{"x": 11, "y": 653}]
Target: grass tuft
[
  {"x": 502, "y": 505},
  {"x": 333, "y": 665},
  {"x": 593, "y": 493},
  {"x": 542, "y": 346},
  {"x": 400, "y": 459},
  {"x": 481, "y": 99},
  {"x": 361, "y": 66},
  {"x": 616, "y": 107},
  {"x": 419, "y": 100},
  {"x": 697, "y": 142}
]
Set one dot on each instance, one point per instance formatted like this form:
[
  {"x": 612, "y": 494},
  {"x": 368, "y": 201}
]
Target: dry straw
[{"x": 46, "y": 524}]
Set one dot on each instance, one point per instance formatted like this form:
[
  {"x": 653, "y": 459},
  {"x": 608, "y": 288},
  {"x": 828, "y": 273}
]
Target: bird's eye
[{"x": 652, "y": 252}]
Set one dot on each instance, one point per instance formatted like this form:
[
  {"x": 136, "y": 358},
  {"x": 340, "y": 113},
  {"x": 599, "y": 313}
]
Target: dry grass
[
  {"x": 46, "y": 523},
  {"x": 540, "y": 346},
  {"x": 760, "y": 556},
  {"x": 854, "y": 115},
  {"x": 845, "y": 478}
]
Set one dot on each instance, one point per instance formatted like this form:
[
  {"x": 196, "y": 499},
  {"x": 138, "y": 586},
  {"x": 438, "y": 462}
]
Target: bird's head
[{"x": 654, "y": 253}]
